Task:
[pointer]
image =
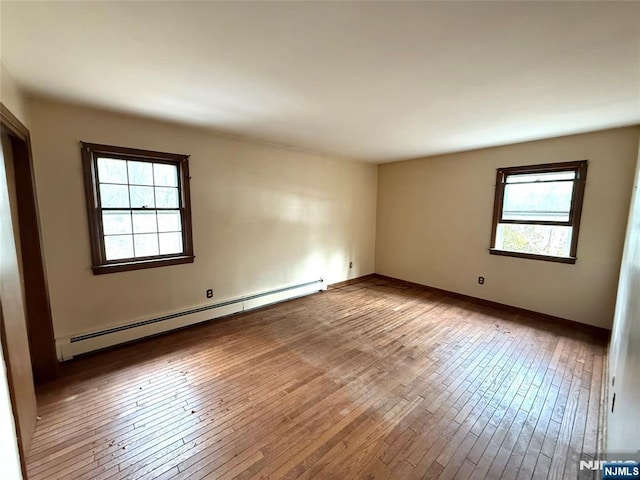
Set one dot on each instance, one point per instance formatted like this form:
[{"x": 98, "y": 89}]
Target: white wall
[
  {"x": 435, "y": 215},
  {"x": 263, "y": 217},
  {"x": 623, "y": 429},
  {"x": 9, "y": 458}
]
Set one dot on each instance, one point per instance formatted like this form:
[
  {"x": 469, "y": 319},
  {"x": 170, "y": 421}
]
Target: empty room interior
[{"x": 330, "y": 240}]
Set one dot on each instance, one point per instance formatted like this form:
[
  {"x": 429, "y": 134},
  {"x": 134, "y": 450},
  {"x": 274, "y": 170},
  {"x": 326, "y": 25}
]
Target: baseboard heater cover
[{"x": 68, "y": 347}]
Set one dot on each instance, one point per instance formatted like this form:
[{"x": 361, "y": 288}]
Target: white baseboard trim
[{"x": 68, "y": 347}]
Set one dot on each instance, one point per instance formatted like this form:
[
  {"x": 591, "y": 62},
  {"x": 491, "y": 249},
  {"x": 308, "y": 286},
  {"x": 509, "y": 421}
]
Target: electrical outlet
[
  {"x": 481, "y": 280},
  {"x": 350, "y": 264},
  {"x": 209, "y": 293}
]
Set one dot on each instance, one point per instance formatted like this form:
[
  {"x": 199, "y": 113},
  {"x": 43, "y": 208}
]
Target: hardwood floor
[{"x": 371, "y": 380}]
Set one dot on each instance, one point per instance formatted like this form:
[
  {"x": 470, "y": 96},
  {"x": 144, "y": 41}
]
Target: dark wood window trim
[
  {"x": 90, "y": 153},
  {"x": 580, "y": 167}
]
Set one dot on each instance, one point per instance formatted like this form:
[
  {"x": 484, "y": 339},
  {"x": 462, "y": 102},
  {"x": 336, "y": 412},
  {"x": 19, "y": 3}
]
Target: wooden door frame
[{"x": 36, "y": 291}]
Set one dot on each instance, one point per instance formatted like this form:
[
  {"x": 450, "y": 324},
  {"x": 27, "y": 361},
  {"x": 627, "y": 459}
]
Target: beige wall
[
  {"x": 623, "y": 434},
  {"x": 9, "y": 456},
  {"x": 263, "y": 217},
  {"x": 434, "y": 226},
  {"x": 12, "y": 97}
]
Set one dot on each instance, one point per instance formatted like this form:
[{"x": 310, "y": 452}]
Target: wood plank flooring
[{"x": 374, "y": 380}]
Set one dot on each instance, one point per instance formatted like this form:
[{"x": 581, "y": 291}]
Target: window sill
[
  {"x": 531, "y": 256},
  {"x": 139, "y": 265}
]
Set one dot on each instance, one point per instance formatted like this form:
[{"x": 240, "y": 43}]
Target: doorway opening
[
  {"x": 16, "y": 148},
  {"x": 26, "y": 328}
]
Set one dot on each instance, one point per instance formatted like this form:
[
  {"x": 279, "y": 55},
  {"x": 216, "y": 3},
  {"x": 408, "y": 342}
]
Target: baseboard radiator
[{"x": 68, "y": 347}]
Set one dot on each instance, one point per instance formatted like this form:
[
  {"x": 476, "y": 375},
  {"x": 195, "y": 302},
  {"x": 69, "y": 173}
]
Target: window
[
  {"x": 537, "y": 211},
  {"x": 138, "y": 206}
]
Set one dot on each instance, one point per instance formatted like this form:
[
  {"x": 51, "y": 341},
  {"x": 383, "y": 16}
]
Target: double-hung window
[
  {"x": 138, "y": 206},
  {"x": 537, "y": 211}
]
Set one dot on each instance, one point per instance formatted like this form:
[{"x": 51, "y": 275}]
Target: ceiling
[{"x": 375, "y": 81}]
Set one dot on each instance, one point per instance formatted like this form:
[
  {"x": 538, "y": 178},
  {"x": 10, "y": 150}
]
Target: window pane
[
  {"x": 167, "y": 197},
  {"x": 165, "y": 175},
  {"x": 114, "y": 196},
  {"x": 169, "y": 222},
  {"x": 112, "y": 171},
  {"x": 537, "y": 239},
  {"x": 144, "y": 222},
  {"x": 541, "y": 177},
  {"x": 118, "y": 246},
  {"x": 140, "y": 173},
  {"x": 141, "y": 197},
  {"x": 170, "y": 243},
  {"x": 537, "y": 201},
  {"x": 114, "y": 223},
  {"x": 146, "y": 244}
]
